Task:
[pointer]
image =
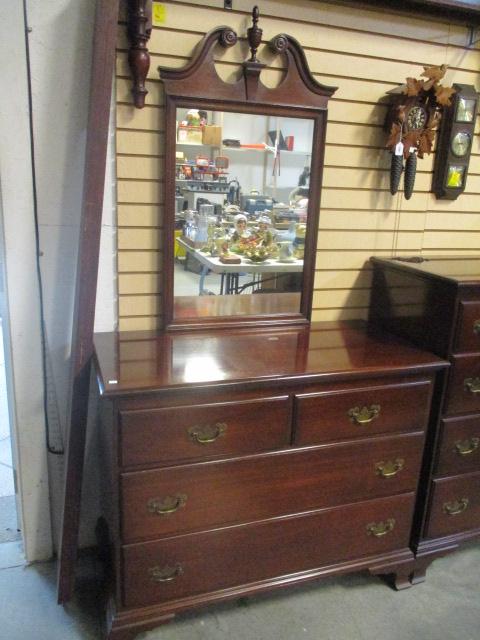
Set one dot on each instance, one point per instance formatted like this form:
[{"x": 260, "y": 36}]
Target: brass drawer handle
[
  {"x": 472, "y": 384},
  {"x": 379, "y": 529},
  {"x": 364, "y": 415},
  {"x": 455, "y": 507},
  {"x": 476, "y": 327},
  {"x": 390, "y": 468},
  {"x": 207, "y": 433},
  {"x": 466, "y": 447},
  {"x": 167, "y": 505},
  {"x": 165, "y": 574}
]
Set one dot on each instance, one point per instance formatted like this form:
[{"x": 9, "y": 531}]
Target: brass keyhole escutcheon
[
  {"x": 205, "y": 434},
  {"x": 364, "y": 415},
  {"x": 166, "y": 506},
  {"x": 466, "y": 447},
  {"x": 472, "y": 385},
  {"x": 165, "y": 574},
  {"x": 380, "y": 529},
  {"x": 390, "y": 468},
  {"x": 456, "y": 506}
]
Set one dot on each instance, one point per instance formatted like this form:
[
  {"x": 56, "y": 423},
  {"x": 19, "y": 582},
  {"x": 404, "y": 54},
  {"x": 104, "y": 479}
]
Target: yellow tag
[{"x": 159, "y": 14}]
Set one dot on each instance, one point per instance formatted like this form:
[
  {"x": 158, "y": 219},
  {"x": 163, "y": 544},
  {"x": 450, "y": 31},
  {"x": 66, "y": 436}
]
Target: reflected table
[{"x": 230, "y": 272}]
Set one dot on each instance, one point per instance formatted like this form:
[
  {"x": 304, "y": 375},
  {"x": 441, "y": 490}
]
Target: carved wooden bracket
[
  {"x": 298, "y": 87},
  {"x": 139, "y": 29}
]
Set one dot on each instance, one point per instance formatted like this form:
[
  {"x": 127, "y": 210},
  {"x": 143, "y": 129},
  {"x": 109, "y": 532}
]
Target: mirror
[
  {"x": 242, "y": 191},
  {"x": 243, "y": 173}
]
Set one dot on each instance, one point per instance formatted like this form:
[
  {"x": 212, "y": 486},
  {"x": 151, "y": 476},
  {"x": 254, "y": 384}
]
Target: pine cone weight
[
  {"x": 396, "y": 168},
  {"x": 410, "y": 173}
]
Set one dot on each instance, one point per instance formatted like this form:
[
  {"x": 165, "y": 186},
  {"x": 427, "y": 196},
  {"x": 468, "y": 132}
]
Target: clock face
[
  {"x": 461, "y": 144},
  {"x": 417, "y": 118}
]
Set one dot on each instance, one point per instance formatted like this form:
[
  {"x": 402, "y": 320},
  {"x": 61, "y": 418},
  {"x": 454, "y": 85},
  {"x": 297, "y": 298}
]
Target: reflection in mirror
[{"x": 241, "y": 206}]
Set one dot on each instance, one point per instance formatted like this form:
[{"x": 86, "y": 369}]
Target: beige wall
[{"x": 365, "y": 53}]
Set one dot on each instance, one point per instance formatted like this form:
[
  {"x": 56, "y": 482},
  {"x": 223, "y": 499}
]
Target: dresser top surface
[
  {"x": 131, "y": 362},
  {"x": 462, "y": 270}
]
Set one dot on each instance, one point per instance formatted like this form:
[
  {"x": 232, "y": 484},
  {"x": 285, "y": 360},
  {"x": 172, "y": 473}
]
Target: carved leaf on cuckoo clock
[
  {"x": 444, "y": 95},
  {"x": 413, "y": 87}
]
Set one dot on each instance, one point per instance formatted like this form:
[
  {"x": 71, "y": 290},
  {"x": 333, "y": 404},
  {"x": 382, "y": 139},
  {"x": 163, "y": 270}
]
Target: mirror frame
[{"x": 298, "y": 95}]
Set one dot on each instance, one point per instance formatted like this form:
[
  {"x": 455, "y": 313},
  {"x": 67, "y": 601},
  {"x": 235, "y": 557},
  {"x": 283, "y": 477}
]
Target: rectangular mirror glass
[{"x": 242, "y": 185}]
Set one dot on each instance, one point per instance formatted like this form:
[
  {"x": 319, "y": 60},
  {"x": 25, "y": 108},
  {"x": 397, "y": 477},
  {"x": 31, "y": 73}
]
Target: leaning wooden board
[{"x": 104, "y": 38}]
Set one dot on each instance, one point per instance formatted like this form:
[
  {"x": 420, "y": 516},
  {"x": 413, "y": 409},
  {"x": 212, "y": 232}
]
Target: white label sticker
[{"x": 399, "y": 149}]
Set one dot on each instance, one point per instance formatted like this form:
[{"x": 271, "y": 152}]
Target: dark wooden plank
[
  {"x": 84, "y": 313},
  {"x": 467, "y": 11}
]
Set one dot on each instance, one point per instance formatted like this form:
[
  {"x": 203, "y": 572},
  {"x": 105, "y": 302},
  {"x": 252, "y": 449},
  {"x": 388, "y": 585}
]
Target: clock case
[
  {"x": 444, "y": 156},
  {"x": 400, "y": 101}
]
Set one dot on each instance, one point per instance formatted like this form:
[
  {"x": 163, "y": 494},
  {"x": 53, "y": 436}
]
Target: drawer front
[
  {"x": 327, "y": 416},
  {"x": 455, "y": 505},
  {"x": 204, "y": 495},
  {"x": 467, "y": 336},
  {"x": 187, "y": 565},
  {"x": 459, "y": 448},
  {"x": 463, "y": 391},
  {"x": 202, "y": 431}
]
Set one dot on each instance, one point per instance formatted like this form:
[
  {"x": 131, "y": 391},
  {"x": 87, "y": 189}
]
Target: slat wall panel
[{"x": 363, "y": 51}]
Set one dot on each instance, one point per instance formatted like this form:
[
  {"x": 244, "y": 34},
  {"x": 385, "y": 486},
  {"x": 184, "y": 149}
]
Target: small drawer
[
  {"x": 463, "y": 391},
  {"x": 200, "y": 496},
  {"x": 467, "y": 335},
  {"x": 204, "y": 431},
  {"x": 459, "y": 448},
  {"x": 329, "y": 416},
  {"x": 189, "y": 565},
  {"x": 454, "y": 505}
]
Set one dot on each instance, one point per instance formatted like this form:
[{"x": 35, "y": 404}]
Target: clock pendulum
[
  {"x": 410, "y": 173},
  {"x": 396, "y": 168}
]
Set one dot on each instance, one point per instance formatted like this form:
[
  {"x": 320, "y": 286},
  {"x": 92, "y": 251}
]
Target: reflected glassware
[{"x": 285, "y": 252}]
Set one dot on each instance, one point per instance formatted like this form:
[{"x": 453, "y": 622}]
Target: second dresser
[{"x": 435, "y": 303}]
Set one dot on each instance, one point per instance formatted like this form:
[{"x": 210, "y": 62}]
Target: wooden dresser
[
  {"x": 436, "y": 304},
  {"x": 241, "y": 461}
]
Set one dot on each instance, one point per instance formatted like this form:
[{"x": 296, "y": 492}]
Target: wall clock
[
  {"x": 455, "y": 143},
  {"x": 412, "y": 119}
]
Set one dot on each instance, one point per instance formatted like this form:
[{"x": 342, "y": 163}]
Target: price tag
[
  {"x": 399, "y": 149},
  {"x": 159, "y": 14}
]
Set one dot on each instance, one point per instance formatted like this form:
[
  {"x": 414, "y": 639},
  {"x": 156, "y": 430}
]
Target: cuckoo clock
[{"x": 412, "y": 119}]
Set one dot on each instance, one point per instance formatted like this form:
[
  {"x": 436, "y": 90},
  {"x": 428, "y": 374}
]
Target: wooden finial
[
  {"x": 138, "y": 55},
  {"x": 254, "y": 34}
]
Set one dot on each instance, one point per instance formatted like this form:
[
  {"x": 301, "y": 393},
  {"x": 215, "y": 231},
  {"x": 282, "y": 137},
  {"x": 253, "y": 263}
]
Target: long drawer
[
  {"x": 455, "y": 505},
  {"x": 200, "y": 563},
  {"x": 200, "y": 496},
  {"x": 373, "y": 409},
  {"x": 459, "y": 448},
  {"x": 463, "y": 391},
  {"x": 202, "y": 431}
]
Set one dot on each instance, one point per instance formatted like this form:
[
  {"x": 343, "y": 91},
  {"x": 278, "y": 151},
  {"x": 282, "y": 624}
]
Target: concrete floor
[{"x": 355, "y": 607}]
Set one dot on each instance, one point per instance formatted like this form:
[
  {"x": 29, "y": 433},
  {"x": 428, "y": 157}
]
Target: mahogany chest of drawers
[
  {"x": 435, "y": 303},
  {"x": 237, "y": 462}
]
